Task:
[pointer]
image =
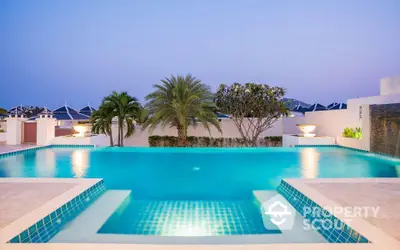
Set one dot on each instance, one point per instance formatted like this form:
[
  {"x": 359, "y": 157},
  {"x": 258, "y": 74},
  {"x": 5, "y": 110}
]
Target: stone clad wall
[{"x": 385, "y": 129}]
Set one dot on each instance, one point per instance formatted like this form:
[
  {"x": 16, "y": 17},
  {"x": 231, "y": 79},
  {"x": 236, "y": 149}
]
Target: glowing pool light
[
  {"x": 307, "y": 129},
  {"x": 81, "y": 130}
]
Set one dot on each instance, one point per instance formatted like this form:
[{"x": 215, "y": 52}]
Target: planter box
[
  {"x": 293, "y": 140},
  {"x": 352, "y": 143}
]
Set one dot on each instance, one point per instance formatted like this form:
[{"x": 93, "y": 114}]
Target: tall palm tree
[
  {"x": 101, "y": 120},
  {"x": 127, "y": 109},
  {"x": 181, "y": 101}
]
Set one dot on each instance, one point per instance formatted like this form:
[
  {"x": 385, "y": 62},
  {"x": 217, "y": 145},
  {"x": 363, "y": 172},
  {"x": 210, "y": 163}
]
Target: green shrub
[
  {"x": 204, "y": 141},
  {"x": 352, "y": 133}
]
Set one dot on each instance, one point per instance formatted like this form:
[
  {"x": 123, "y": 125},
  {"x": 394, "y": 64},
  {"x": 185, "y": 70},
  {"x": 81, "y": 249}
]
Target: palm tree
[
  {"x": 181, "y": 101},
  {"x": 127, "y": 109},
  {"x": 101, "y": 120}
]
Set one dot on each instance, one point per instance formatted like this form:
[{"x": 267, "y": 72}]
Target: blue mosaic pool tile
[
  {"x": 343, "y": 233},
  {"x": 43, "y": 230},
  {"x": 33, "y": 149},
  {"x": 71, "y": 146},
  {"x": 186, "y": 218},
  {"x": 315, "y": 146}
]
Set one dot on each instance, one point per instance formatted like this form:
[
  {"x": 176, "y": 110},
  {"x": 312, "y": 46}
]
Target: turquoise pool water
[{"x": 156, "y": 173}]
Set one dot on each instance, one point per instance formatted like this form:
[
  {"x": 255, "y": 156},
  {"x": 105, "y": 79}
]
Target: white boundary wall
[
  {"x": 3, "y": 124},
  {"x": 45, "y": 131},
  {"x": 333, "y": 122},
  {"x": 14, "y": 130},
  {"x": 3, "y": 136},
  {"x": 98, "y": 140},
  {"x": 289, "y": 124},
  {"x": 140, "y": 138},
  {"x": 329, "y": 123}
]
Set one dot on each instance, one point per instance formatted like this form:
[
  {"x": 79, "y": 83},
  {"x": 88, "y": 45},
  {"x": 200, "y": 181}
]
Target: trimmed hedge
[{"x": 193, "y": 141}]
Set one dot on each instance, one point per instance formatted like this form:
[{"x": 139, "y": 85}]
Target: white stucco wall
[
  {"x": 289, "y": 124},
  {"x": 390, "y": 85},
  {"x": 3, "y": 137},
  {"x": 354, "y": 104},
  {"x": 366, "y": 128},
  {"x": 228, "y": 127},
  {"x": 45, "y": 130},
  {"x": 14, "y": 130},
  {"x": 333, "y": 122},
  {"x": 3, "y": 125},
  {"x": 98, "y": 140}
]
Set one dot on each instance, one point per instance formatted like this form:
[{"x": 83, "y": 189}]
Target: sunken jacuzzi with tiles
[{"x": 189, "y": 195}]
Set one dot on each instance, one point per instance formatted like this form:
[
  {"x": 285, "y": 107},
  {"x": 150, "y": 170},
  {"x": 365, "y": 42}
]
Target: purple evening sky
[{"x": 78, "y": 51}]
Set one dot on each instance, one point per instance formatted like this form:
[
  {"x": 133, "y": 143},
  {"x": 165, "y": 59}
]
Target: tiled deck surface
[
  {"x": 382, "y": 194},
  {"x": 24, "y": 201},
  {"x": 8, "y": 148},
  {"x": 18, "y": 199}
]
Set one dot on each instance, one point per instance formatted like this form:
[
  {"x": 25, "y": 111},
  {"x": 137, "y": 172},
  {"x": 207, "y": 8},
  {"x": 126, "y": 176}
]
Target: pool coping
[
  {"x": 108, "y": 246},
  {"x": 35, "y": 148},
  {"x": 24, "y": 222},
  {"x": 372, "y": 233}
]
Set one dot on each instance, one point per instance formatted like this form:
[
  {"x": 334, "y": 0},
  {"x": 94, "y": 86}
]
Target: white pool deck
[
  {"x": 24, "y": 201},
  {"x": 384, "y": 193},
  {"x": 19, "y": 198}
]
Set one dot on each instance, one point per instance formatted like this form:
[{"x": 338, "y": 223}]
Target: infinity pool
[
  {"x": 157, "y": 173},
  {"x": 188, "y": 191}
]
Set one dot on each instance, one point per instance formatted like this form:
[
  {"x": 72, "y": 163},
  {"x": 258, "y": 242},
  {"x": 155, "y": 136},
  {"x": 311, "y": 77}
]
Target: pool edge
[
  {"x": 362, "y": 227},
  {"x": 83, "y": 189}
]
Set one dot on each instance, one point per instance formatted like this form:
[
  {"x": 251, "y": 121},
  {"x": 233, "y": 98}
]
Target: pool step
[
  {"x": 293, "y": 229},
  {"x": 90, "y": 220},
  {"x": 85, "y": 228}
]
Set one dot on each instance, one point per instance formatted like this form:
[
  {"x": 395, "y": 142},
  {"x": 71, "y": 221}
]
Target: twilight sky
[{"x": 80, "y": 50}]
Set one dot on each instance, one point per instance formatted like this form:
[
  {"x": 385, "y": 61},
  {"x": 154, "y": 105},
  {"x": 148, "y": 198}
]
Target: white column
[
  {"x": 45, "y": 129},
  {"x": 114, "y": 129},
  {"x": 14, "y": 130},
  {"x": 366, "y": 127}
]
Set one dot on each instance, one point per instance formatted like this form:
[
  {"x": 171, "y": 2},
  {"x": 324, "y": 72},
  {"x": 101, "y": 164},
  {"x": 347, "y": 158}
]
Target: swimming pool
[
  {"x": 187, "y": 191},
  {"x": 156, "y": 173}
]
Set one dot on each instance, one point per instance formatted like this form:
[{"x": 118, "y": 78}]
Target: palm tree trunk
[
  {"x": 111, "y": 138},
  {"x": 119, "y": 134},
  {"x": 181, "y": 136},
  {"x": 122, "y": 135}
]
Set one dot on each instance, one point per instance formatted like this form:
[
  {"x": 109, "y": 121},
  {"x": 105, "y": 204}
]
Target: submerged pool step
[
  {"x": 85, "y": 228},
  {"x": 86, "y": 225},
  {"x": 293, "y": 228}
]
